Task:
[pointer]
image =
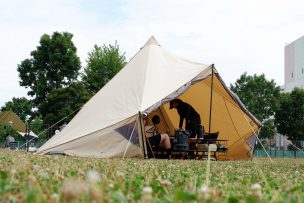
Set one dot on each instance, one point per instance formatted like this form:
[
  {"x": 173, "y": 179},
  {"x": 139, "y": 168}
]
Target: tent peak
[{"x": 150, "y": 41}]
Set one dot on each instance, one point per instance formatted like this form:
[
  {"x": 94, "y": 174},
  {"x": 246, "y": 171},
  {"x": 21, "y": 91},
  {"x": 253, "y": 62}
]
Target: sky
[{"x": 237, "y": 35}]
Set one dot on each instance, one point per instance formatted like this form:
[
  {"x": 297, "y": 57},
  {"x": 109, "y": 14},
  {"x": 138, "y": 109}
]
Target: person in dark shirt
[{"x": 187, "y": 112}]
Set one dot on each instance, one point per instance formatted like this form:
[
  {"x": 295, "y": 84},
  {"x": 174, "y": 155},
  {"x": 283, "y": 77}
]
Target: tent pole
[
  {"x": 143, "y": 135},
  {"x": 210, "y": 111},
  {"x": 211, "y": 94}
]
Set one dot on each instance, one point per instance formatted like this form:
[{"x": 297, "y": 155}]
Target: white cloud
[{"x": 236, "y": 36}]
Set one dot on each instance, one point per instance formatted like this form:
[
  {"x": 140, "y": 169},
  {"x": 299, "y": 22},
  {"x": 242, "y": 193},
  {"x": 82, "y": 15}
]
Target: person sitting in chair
[
  {"x": 188, "y": 113},
  {"x": 155, "y": 138}
]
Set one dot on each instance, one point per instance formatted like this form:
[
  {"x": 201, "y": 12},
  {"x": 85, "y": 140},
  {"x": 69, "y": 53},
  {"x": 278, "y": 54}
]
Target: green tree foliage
[
  {"x": 268, "y": 130},
  {"x": 260, "y": 96},
  {"x": 62, "y": 102},
  {"x": 102, "y": 64},
  {"x": 54, "y": 64},
  {"x": 37, "y": 127},
  {"x": 6, "y": 130},
  {"x": 289, "y": 118},
  {"x": 21, "y": 106}
]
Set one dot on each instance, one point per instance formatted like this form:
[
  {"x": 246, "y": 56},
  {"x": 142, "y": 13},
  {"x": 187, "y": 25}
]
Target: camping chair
[
  {"x": 154, "y": 150},
  {"x": 210, "y": 138},
  {"x": 13, "y": 145}
]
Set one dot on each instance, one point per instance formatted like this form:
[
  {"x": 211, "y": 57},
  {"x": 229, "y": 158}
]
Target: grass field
[{"x": 31, "y": 178}]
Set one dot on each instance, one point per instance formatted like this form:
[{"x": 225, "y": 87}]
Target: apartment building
[{"x": 294, "y": 65}]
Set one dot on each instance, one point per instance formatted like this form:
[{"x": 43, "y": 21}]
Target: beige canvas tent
[
  {"x": 10, "y": 118},
  {"x": 110, "y": 124}
]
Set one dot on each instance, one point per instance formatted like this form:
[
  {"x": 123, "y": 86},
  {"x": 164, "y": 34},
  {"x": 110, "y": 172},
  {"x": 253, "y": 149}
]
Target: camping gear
[{"x": 181, "y": 140}]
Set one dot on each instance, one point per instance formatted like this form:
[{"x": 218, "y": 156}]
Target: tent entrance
[{"x": 228, "y": 116}]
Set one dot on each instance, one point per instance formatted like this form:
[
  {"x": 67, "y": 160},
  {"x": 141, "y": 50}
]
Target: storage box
[{"x": 204, "y": 147}]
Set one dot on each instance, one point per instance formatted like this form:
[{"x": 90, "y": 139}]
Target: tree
[
  {"x": 21, "y": 106},
  {"x": 260, "y": 96},
  {"x": 269, "y": 128},
  {"x": 102, "y": 64},
  {"x": 54, "y": 64},
  {"x": 62, "y": 102},
  {"x": 6, "y": 130},
  {"x": 36, "y": 126},
  {"x": 289, "y": 117}
]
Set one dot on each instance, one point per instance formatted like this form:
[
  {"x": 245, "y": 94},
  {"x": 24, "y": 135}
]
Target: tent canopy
[
  {"x": 110, "y": 123},
  {"x": 7, "y": 117}
]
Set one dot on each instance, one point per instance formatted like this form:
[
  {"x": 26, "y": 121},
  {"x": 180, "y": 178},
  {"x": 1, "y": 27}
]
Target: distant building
[
  {"x": 294, "y": 77},
  {"x": 294, "y": 65},
  {"x": 278, "y": 142},
  {"x": 281, "y": 141}
]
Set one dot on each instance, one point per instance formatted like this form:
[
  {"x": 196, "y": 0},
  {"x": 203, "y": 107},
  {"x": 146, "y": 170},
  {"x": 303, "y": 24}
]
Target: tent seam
[
  {"x": 238, "y": 101},
  {"x": 145, "y": 76},
  {"x": 231, "y": 118}
]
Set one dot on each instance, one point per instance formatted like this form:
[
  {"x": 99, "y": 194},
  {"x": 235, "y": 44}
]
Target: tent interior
[{"x": 227, "y": 117}]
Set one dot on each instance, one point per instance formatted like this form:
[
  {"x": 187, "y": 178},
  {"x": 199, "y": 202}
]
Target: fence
[
  {"x": 36, "y": 143},
  {"x": 279, "y": 153},
  {"x": 279, "y": 146}
]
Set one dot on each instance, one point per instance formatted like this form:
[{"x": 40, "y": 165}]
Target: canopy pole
[
  {"x": 26, "y": 135},
  {"x": 208, "y": 160},
  {"x": 142, "y": 128},
  {"x": 211, "y": 95}
]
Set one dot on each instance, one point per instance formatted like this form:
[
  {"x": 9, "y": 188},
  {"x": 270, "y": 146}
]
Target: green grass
[{"x": 32, "y": 178}]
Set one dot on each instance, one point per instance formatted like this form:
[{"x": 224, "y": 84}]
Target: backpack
[{"x": 180, "y": 141}]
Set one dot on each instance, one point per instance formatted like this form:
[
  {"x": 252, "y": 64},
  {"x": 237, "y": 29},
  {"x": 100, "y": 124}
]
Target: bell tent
[
  {"x": 110, "y": 124},
  {"x": 9, "y": 118}
]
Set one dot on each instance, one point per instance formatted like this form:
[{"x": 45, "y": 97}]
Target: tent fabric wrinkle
[{"x": 179, "y": 91}]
